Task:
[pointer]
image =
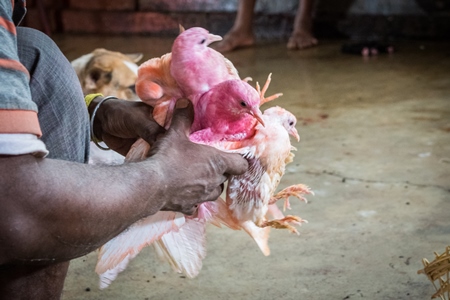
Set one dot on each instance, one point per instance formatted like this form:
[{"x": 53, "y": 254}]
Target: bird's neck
[{"x": 236, "y": 130}]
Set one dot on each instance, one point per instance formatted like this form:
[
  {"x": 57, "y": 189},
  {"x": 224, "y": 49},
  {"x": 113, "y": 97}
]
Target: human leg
[
  {"x": 32, "y": 282},
  {"x": 57, "y": 92},
  {"x": 302, "y": 36},
  {"x": 241, "y": 34}
]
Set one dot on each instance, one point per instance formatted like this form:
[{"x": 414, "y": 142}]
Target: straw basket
[{"x": 437, "y": 272}]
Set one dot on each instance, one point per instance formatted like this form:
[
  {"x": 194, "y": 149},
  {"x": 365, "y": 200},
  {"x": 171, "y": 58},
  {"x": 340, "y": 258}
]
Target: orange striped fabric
[
  {"x": 8, "y": 25},
  {"x": 14, "y": 65},
  {"x": 19, "y": 121}
]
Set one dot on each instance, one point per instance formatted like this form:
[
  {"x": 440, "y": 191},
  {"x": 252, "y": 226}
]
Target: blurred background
[{"x": 394, "y": 19}]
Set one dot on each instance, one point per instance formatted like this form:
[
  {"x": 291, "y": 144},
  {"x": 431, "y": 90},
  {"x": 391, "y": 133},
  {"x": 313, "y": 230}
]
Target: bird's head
[
  {"x": 196, "y": 38},
  {"x": 252, "y": 110},
  {"x": 241, "y": 99},
  {"x": 289, "y": 123},
  {"x": 286, "y": 118}
]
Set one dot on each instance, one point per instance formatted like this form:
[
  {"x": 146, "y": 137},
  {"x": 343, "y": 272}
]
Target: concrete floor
[{"x": 375, "y": 148}]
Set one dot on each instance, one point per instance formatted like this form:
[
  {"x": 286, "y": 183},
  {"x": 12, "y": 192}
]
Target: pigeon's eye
[
  {"x": 291, "y": 123},
  {"x": 243, "y": 104},
  {"x": 203, "y": 41}
]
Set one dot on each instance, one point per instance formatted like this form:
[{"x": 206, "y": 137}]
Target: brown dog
[
  {"x": 112, "y": 74},
  {"x": 108, "y": 72}
]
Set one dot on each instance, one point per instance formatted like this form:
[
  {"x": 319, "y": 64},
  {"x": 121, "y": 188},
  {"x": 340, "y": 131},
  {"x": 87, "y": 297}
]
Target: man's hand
[
  {"x": 191, "y": 173},
  {"x": 119, "y": 123}
]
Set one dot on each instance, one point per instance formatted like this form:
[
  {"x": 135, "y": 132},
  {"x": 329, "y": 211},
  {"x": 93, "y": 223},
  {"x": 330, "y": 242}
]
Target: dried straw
[{"x": 437, "y": 272}]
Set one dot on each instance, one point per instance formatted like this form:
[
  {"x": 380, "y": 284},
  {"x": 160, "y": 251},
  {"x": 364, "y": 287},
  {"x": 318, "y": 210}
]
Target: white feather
[
  {"x": 130, "y": 242},
  {"x": 184, "y": 249},
  {"x": 109, "y": 276}
]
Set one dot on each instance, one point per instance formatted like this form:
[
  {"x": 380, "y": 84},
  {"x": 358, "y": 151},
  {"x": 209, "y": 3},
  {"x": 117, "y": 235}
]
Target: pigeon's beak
[
  {"x": 294, "y": 133},
  {"x": 213, "y": 38},
  {"x": 256, "y": 113}
]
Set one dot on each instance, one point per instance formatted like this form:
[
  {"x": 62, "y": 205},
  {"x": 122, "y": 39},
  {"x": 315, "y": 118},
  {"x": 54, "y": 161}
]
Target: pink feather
[{"x": 197, "y": 67}]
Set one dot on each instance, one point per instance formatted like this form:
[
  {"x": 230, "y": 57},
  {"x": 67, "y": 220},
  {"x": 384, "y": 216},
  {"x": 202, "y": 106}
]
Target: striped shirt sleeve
[
  {"x": 18, "y": 113},
  {"x": 19, "y": 125}
]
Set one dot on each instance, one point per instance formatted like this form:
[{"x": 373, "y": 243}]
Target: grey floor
[{"x": 375, "y": 148}]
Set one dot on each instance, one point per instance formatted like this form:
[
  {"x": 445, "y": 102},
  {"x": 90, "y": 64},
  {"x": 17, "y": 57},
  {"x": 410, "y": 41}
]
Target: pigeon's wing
[
  {"x": 149, "y": 85},
  {"x": 156, "y": 87},
  {"x": 185, "y": 248},
  {"x": 109, "y": 276},
  {"x": 217, "y": 213},
  {"x": 116, "y": 253},
  {"x": 113, "y": 257},
  {"x": 231, "y": 69}
]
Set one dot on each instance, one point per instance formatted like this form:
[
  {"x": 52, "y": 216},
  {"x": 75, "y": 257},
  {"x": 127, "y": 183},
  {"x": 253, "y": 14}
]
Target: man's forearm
[{"x": 58, "y": 210}]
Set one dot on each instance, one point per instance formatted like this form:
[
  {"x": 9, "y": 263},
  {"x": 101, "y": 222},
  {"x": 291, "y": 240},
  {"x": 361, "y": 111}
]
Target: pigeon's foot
[
  {"x": 285, "y": 223},
  {"x": 297, "y": 190},
  {"x": 264, "y": 89}
]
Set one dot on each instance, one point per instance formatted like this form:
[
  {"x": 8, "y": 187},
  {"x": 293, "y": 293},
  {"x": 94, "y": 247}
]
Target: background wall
[{"x": 273, "y": 19}]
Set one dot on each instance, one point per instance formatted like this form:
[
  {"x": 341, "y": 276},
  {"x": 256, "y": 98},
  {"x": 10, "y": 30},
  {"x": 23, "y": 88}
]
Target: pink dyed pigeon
[
  {"x": 250, "y": 194},
  {"x": 195, "y": 66}
]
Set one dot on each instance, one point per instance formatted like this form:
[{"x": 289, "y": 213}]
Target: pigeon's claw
[
  {"x": 297, "y": 190},
  {"x": 270, "y": 98},
  {"x": 285, "y": 223},
  {"x": 266, "y": 85},
  {"x": 264, "y": 89}
]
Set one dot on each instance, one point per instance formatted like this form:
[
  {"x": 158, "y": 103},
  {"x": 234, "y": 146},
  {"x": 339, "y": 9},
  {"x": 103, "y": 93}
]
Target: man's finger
[
  {"x": 190, "y": 211},
  {"x": 182, "y": 103},
  {"x": 215, "y": 194},
  {"x": 121, "y": 146},
  {"x": 183, "y": 118},
  {"x": 151, "y": 131},
  {"x": 236, "y": 164}
]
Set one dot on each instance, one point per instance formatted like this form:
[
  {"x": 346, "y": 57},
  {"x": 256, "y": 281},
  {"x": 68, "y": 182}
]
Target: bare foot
[
  {"x": 301, "y": 40},
  {"x": 234, "y": 40}
]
